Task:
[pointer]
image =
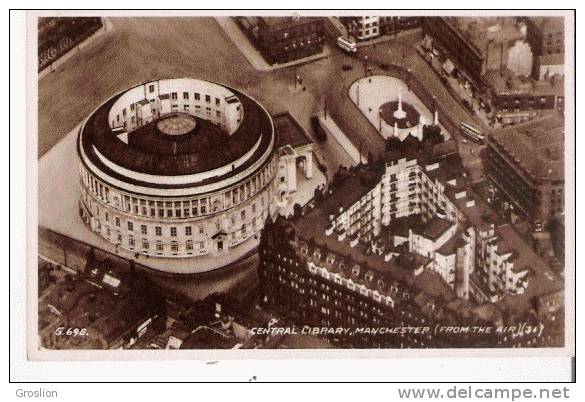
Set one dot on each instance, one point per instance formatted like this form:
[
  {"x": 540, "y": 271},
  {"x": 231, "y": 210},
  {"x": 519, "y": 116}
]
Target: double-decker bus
[{"x": 473, "y": 133}]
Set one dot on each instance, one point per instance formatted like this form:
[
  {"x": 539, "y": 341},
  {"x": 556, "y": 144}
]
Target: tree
[
  {"x": 393, "y": 144},
  {"x": 432, "y": 134},
  {"x": 297, "y": 210}
]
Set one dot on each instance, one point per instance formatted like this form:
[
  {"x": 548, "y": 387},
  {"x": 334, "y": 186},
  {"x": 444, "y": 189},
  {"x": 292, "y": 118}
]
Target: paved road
[
  {"x": 134, "y": 50},
  {"x": 128, "y": 54}
]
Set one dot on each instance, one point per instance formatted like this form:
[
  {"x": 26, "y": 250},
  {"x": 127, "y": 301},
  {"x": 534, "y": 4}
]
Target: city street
[{"x": 199, "y": 47}]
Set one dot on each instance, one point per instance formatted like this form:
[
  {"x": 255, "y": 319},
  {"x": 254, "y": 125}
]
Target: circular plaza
[{"x": 392, "y": 107}]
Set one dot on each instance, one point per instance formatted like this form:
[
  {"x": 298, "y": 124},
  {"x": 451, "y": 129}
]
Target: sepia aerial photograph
[{"x": 302, "y": 180}]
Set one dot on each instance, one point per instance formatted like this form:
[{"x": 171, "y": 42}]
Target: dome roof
[{"x": 177, "y": 144}]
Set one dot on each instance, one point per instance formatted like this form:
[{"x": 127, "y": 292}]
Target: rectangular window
[
  {"x": 173, "y": 231},
  {"x": 151, "y": 88},
  {"x": 207, "y": 98},
  {"x": 189, "y": 245},
  {"x": 117, "y": 221},
  {"x": 216, "y": 101},
  {"x": 173, "y": 95},
  {"x": 158, "y": 230},
  {"x": 130, "y": 226},
  {"x": 243, "y": 214},
  {"x": 159, "y": 246},
  {"x": 188, "y": 231},
  {"x": 131, "y": 240},
  {"x": 143, "y": 229},
  {"x": 218, "y": 113},
  {"x": 196, "y": 96},
  {"x": 161, "y": 213},
  {"x": 174, "y": 247},
  {"x": 132, "y": 106},
  {"x": 145, "y": 244},
  {"x": 185, "y": 95},
  {"x": 200, "y": 229}
]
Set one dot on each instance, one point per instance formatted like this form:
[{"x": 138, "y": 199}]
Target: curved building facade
[{"x": 179, "y": 168}]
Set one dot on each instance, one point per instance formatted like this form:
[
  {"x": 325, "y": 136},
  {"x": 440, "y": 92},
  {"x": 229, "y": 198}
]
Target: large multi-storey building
[
  {"x": 179, "y": 168},
  {"x": 369, "y": 27},
  {"x": 284, "y": 39},
  {"x": 518, "y": 99},
  {"x": 546, "y": 35},
  {"x": 388, "y": 244},
  {"x": 497, "y": 60},
  {"x": 526, "y": 163}
]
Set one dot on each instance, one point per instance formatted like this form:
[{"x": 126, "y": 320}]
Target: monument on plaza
[{"x": 399, "y": 114}]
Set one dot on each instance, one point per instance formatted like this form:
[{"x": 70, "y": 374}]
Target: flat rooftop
[
  {"x": 537, "y": 146},
  {"x": 290, "y": 131},
  {"x": 481, "y": 31},
  {"x": 505, "y": 83},
  {"x": 435, "y": 227},
  {"x": 348, "y": 188},
  {"x": 286, "y": 22}
]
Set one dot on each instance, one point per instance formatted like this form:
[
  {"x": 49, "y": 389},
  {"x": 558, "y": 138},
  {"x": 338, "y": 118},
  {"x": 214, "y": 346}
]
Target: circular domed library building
[{"x": 178, "y": 168}]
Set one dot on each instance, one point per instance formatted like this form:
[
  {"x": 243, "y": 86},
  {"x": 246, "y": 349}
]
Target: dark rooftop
[
  {"x": 290, "y": 131},
  {"x": 205, "y": 148},
  {"x": 505, "y": 82},
  {"x": 451, "y": 245},
  {"x": 348, "y": 188},
  {"x": 536, "y": 146},
  {"x": 277, "y": 23},
  {"x": 208, "y": 338},
  {"x": 434, "y": 228}
]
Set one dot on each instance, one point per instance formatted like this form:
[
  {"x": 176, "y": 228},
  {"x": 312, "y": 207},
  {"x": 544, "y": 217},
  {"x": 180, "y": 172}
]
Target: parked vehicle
[{"x": 317, "y": 129}]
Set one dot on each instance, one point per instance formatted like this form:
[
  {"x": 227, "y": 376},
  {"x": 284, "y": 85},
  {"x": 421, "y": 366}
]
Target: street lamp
[
  {"x": 380, "y": 116},
  {"x": 366, "y": 65}
]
